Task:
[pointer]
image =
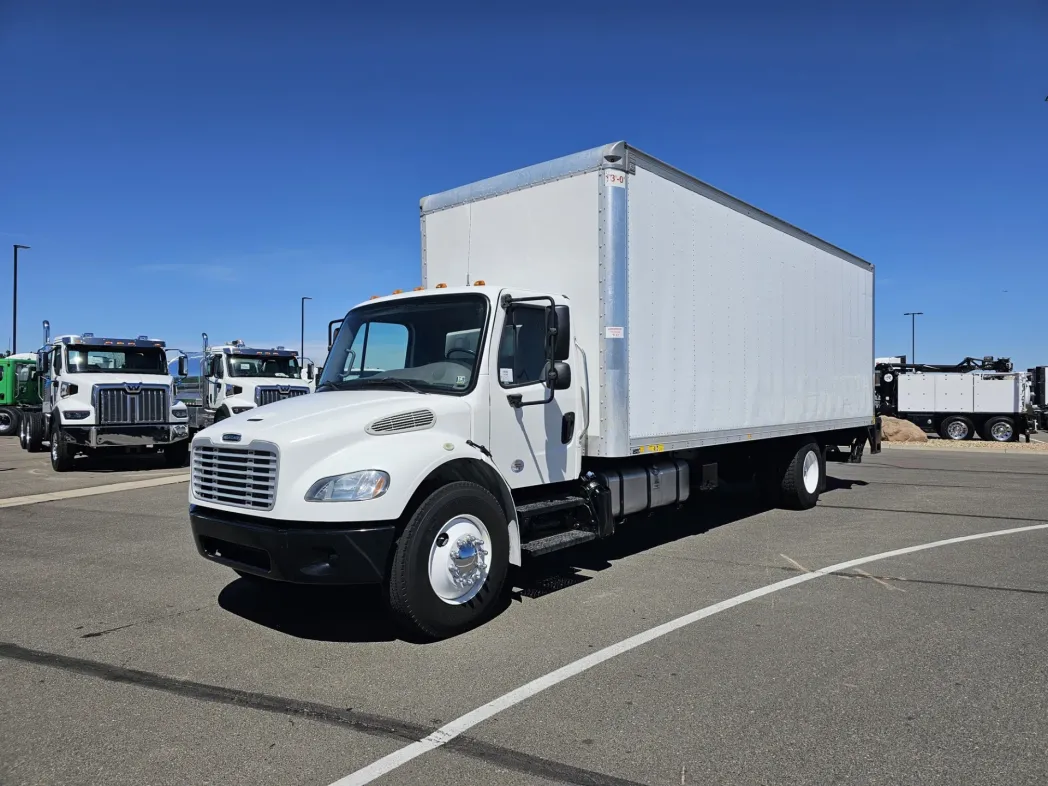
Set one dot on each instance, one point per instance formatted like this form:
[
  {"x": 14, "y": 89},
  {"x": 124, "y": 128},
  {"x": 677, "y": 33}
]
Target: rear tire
[
  {"x": 61, "y": 452},
  {"x": 804, "y": 478},
  {"x": 450, "y": 562},
  {"x": 957, "y": 428},
  {"x": 21, "y": 432},
  {"x": 34, "y": 432},
  {"x": 1000, "y": 429},
  {"x": 10, "y": 421}
]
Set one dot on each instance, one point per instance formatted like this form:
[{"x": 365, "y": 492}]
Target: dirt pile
[{"x": 895, "y": 430}]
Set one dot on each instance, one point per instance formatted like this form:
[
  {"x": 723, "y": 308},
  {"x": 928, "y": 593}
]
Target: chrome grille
[
  {"x": 405, "y": 421},
  {"x": 271, "y": 393},
  {"x": 245, "y": 477},
  {"x": 119, "y": 405}
]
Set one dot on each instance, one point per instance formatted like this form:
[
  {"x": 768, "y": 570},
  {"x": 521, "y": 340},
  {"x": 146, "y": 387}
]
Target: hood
[
  {"x": 336, "y": 416},
  {"x": 121, "y": 378}
]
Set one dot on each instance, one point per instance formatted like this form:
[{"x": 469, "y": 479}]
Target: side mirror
[
  {"x": 44, "y": 363},
  {"x": 31, "y": 375},
  {"x": 309, "y": 371},
  {"x": 561, "y": 337},
  {"x": 183, "y": 366},
  {"x": 557, "y": 375}
]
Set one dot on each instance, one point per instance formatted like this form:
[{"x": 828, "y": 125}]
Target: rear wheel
[
  {"x": 10, "y": 421},
  {"x": 34, "y": 432},
  {"x": 999, "y": 429},
  {"x": 957, "y": 428},
  {"x": 804, "y": 478},
  {"x": 61, "y": 452},
  {"x": 450, "y": 562}
]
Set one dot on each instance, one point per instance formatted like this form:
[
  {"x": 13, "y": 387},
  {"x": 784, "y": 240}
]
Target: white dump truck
[
  {"x": 596, "y": 337},
  {"x": 235, "y": 378},
  {"x": 105, "y": 395}
]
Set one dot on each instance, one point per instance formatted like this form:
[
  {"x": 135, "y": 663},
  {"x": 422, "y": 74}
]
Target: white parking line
[
  {"x": 91, "y": 491},
  {"x": 451, "y": 730}
]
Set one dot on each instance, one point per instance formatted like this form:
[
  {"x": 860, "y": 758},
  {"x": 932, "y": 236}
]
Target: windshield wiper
[{"x": 353, "y": 384}]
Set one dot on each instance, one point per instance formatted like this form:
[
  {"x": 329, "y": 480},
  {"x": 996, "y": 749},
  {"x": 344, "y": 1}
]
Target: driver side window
[{"x": 522, "y": 351}]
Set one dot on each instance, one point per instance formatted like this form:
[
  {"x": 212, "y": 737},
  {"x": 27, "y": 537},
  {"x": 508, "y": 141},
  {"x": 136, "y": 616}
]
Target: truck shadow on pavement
[{"x": 357, "y": 614}]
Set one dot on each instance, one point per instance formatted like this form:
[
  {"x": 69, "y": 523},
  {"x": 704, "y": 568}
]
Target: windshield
[
  {"x": 140, "y": 360},
  {"x": 251, "y": 366},
  {"x": 430, "y": 343}
]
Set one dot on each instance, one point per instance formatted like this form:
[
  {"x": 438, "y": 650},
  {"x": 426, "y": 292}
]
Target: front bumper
[
  {"x": 293, "y": 551},
  {"x": 124, "y": 436}
]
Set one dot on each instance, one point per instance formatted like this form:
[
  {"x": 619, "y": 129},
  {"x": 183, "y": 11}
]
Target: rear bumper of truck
[
  {"x": 293, "y": 551},
  {"x": 125, "y": 436}
]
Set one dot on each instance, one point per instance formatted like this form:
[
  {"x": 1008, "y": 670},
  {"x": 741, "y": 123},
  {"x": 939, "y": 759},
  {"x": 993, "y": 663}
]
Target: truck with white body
[
  {"x": 983, "y": 396},
  {"x": 596, "y": 337},
  {"x": 105, "y": 395},
  {"x": 236, "y": 378}
]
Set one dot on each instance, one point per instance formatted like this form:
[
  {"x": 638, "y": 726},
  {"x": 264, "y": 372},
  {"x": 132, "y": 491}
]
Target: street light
[
  {"x": 302, "y": 335},
  {"x": 913, "y": 333},
  {"x": 14, "y": 304}
]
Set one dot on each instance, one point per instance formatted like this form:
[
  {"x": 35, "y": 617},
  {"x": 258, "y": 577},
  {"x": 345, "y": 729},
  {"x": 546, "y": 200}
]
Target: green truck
[{"x": 18, "y": 392}]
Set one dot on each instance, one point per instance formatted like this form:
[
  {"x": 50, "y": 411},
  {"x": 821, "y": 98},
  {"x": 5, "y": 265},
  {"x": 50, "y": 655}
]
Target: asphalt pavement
[{"x": 126, "y": 658}]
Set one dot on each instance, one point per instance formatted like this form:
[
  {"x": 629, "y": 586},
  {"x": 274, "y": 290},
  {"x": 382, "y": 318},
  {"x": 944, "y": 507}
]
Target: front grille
[
  {"x": 121, "y": 405},
  {"x": 269, "y": 394},
  {"x": 245, "y": 477}
]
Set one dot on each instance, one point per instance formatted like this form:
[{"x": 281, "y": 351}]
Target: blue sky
[{"x": 202, "y": 167}]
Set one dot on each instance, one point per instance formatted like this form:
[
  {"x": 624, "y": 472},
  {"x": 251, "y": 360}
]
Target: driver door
[
  {"x": 214, "y": 387},
  {"x": 536, "y": 443}
]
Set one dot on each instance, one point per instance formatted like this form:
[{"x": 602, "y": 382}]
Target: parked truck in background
[
  {"x": 1039, "y": 396},
  {"x": 18, "y": 394},
  {"x": 983, "y": 396},
  {"x": 596, "y": 337},
  {"x": 105, "y": 395},
  {"x": 235, "y": 378}
]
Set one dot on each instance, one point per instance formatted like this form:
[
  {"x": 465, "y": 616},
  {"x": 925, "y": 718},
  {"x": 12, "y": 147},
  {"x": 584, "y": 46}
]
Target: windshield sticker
[
  {"x": 460, "y": 381},
  {"x": 506, "y": 375}
]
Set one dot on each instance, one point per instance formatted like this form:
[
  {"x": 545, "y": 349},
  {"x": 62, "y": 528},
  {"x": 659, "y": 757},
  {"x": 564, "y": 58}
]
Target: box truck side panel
[
  {"x": 542, "y": 237},
  {"x": 737, "y": 329},
  {"x": 997, "y": 395}
]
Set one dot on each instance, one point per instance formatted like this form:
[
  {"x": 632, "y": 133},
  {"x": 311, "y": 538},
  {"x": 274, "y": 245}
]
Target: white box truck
[{"x": 595, "y": 337}]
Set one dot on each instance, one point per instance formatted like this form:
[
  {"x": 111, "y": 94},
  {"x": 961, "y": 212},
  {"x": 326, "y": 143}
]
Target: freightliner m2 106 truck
[
  {"x": 235, "y": 378},
  {"x": 104, "y": 395},
  {"x": 596, "y": 337}
]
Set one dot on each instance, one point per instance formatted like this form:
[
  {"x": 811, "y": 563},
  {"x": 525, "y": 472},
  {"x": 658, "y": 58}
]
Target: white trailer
[{"x": 595, "y": 337}]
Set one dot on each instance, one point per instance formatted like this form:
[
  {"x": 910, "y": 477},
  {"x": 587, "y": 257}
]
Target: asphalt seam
[
  {"x": 366, "y": 723},
  {"x": 92, "y": 491}
]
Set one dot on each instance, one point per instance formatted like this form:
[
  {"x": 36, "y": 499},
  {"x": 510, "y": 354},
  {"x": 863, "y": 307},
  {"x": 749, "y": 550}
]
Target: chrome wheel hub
[
  {"x": 458, "y": 559},
  {"x": 957, "y": 430},
  {"x": 1002, "y": 432}
]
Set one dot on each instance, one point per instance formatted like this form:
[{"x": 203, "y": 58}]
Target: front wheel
[
  {"x": 10, "y": 421},
  {"x": 450, "y": 562},
  {"x": 61, "y": 453}
]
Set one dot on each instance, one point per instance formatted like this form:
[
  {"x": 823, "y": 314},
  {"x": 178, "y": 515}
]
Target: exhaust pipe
[{"x": 47, "y": 332}]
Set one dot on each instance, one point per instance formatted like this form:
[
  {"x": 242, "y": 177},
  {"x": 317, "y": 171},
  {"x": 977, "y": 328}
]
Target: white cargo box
[
  {"x": 962, "y": 393},
  {"x": 701, "y": 320}
]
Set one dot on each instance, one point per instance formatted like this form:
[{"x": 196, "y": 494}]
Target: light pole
[
  {"x": 913, "y": 333},
  {"x": 302, "y": 335},
  {"x": 14, "y": 304}
]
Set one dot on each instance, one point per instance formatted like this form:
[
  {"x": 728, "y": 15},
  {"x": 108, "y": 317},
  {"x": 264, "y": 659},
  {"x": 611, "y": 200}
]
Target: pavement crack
[
  {"x": 363, "y": 722},
  {"x": 987, "y": 516}
]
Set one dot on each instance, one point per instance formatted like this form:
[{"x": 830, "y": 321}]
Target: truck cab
[
  {"x": 18, "y": 394},
  {"x": 102, "y": 395},
  {"x": 235, "y": 378}
]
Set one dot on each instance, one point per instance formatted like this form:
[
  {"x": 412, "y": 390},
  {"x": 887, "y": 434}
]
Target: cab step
[
  {"x": 544, "y": 507},
  {"x": 558, "y": 541}
]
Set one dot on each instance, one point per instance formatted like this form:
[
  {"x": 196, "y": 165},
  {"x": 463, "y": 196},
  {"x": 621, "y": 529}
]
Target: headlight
[
  {"x": 238, "y": 410},
  {"x": 180, "y": 413},
  {"x": 67, "y": 389},
  {"x": 354, "y": 487},
  {"x": 74, "y": 414}
]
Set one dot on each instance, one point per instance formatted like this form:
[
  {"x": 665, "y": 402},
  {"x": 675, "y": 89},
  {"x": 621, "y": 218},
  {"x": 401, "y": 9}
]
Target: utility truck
[
  {"x": 235, "y": 378},
  {"x": 105, "y": 395},
  {"x": 595, "y": 338},
  {"x": 983, "y": 396},
  {"x": 18, "y": 394}
]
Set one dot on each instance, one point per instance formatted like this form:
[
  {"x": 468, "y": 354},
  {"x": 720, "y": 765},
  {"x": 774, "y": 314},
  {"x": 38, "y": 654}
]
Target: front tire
[
  {"x": 34, "y": 432},
  {"x": 10, "y": 421},
  {"x": 450, "y": 562},
  {"x": 61, "y": 452}
]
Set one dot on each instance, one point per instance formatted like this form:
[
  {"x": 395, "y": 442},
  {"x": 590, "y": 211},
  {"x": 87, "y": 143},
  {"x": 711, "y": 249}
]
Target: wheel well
[{"x": 482, "y": 474}]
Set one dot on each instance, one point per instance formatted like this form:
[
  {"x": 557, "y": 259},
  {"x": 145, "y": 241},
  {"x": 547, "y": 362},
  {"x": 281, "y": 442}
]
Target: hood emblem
[
  {"x": 231, "y": 437},
  {"x": 133, "y": 387},
  {"x": 284, "y": 389}
]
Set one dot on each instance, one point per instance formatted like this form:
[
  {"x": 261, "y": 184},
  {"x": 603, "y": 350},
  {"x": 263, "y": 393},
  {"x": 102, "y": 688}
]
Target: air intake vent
[{"x": 406, "y": 421}]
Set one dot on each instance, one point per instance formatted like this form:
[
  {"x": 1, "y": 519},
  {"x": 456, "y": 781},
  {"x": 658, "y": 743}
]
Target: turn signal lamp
[
  {"x": 479, "y": 282},
  {"x": 442, "y": 286},
  {"x": 373, "y": 297},
  {"x": 418, "y": 289}
]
